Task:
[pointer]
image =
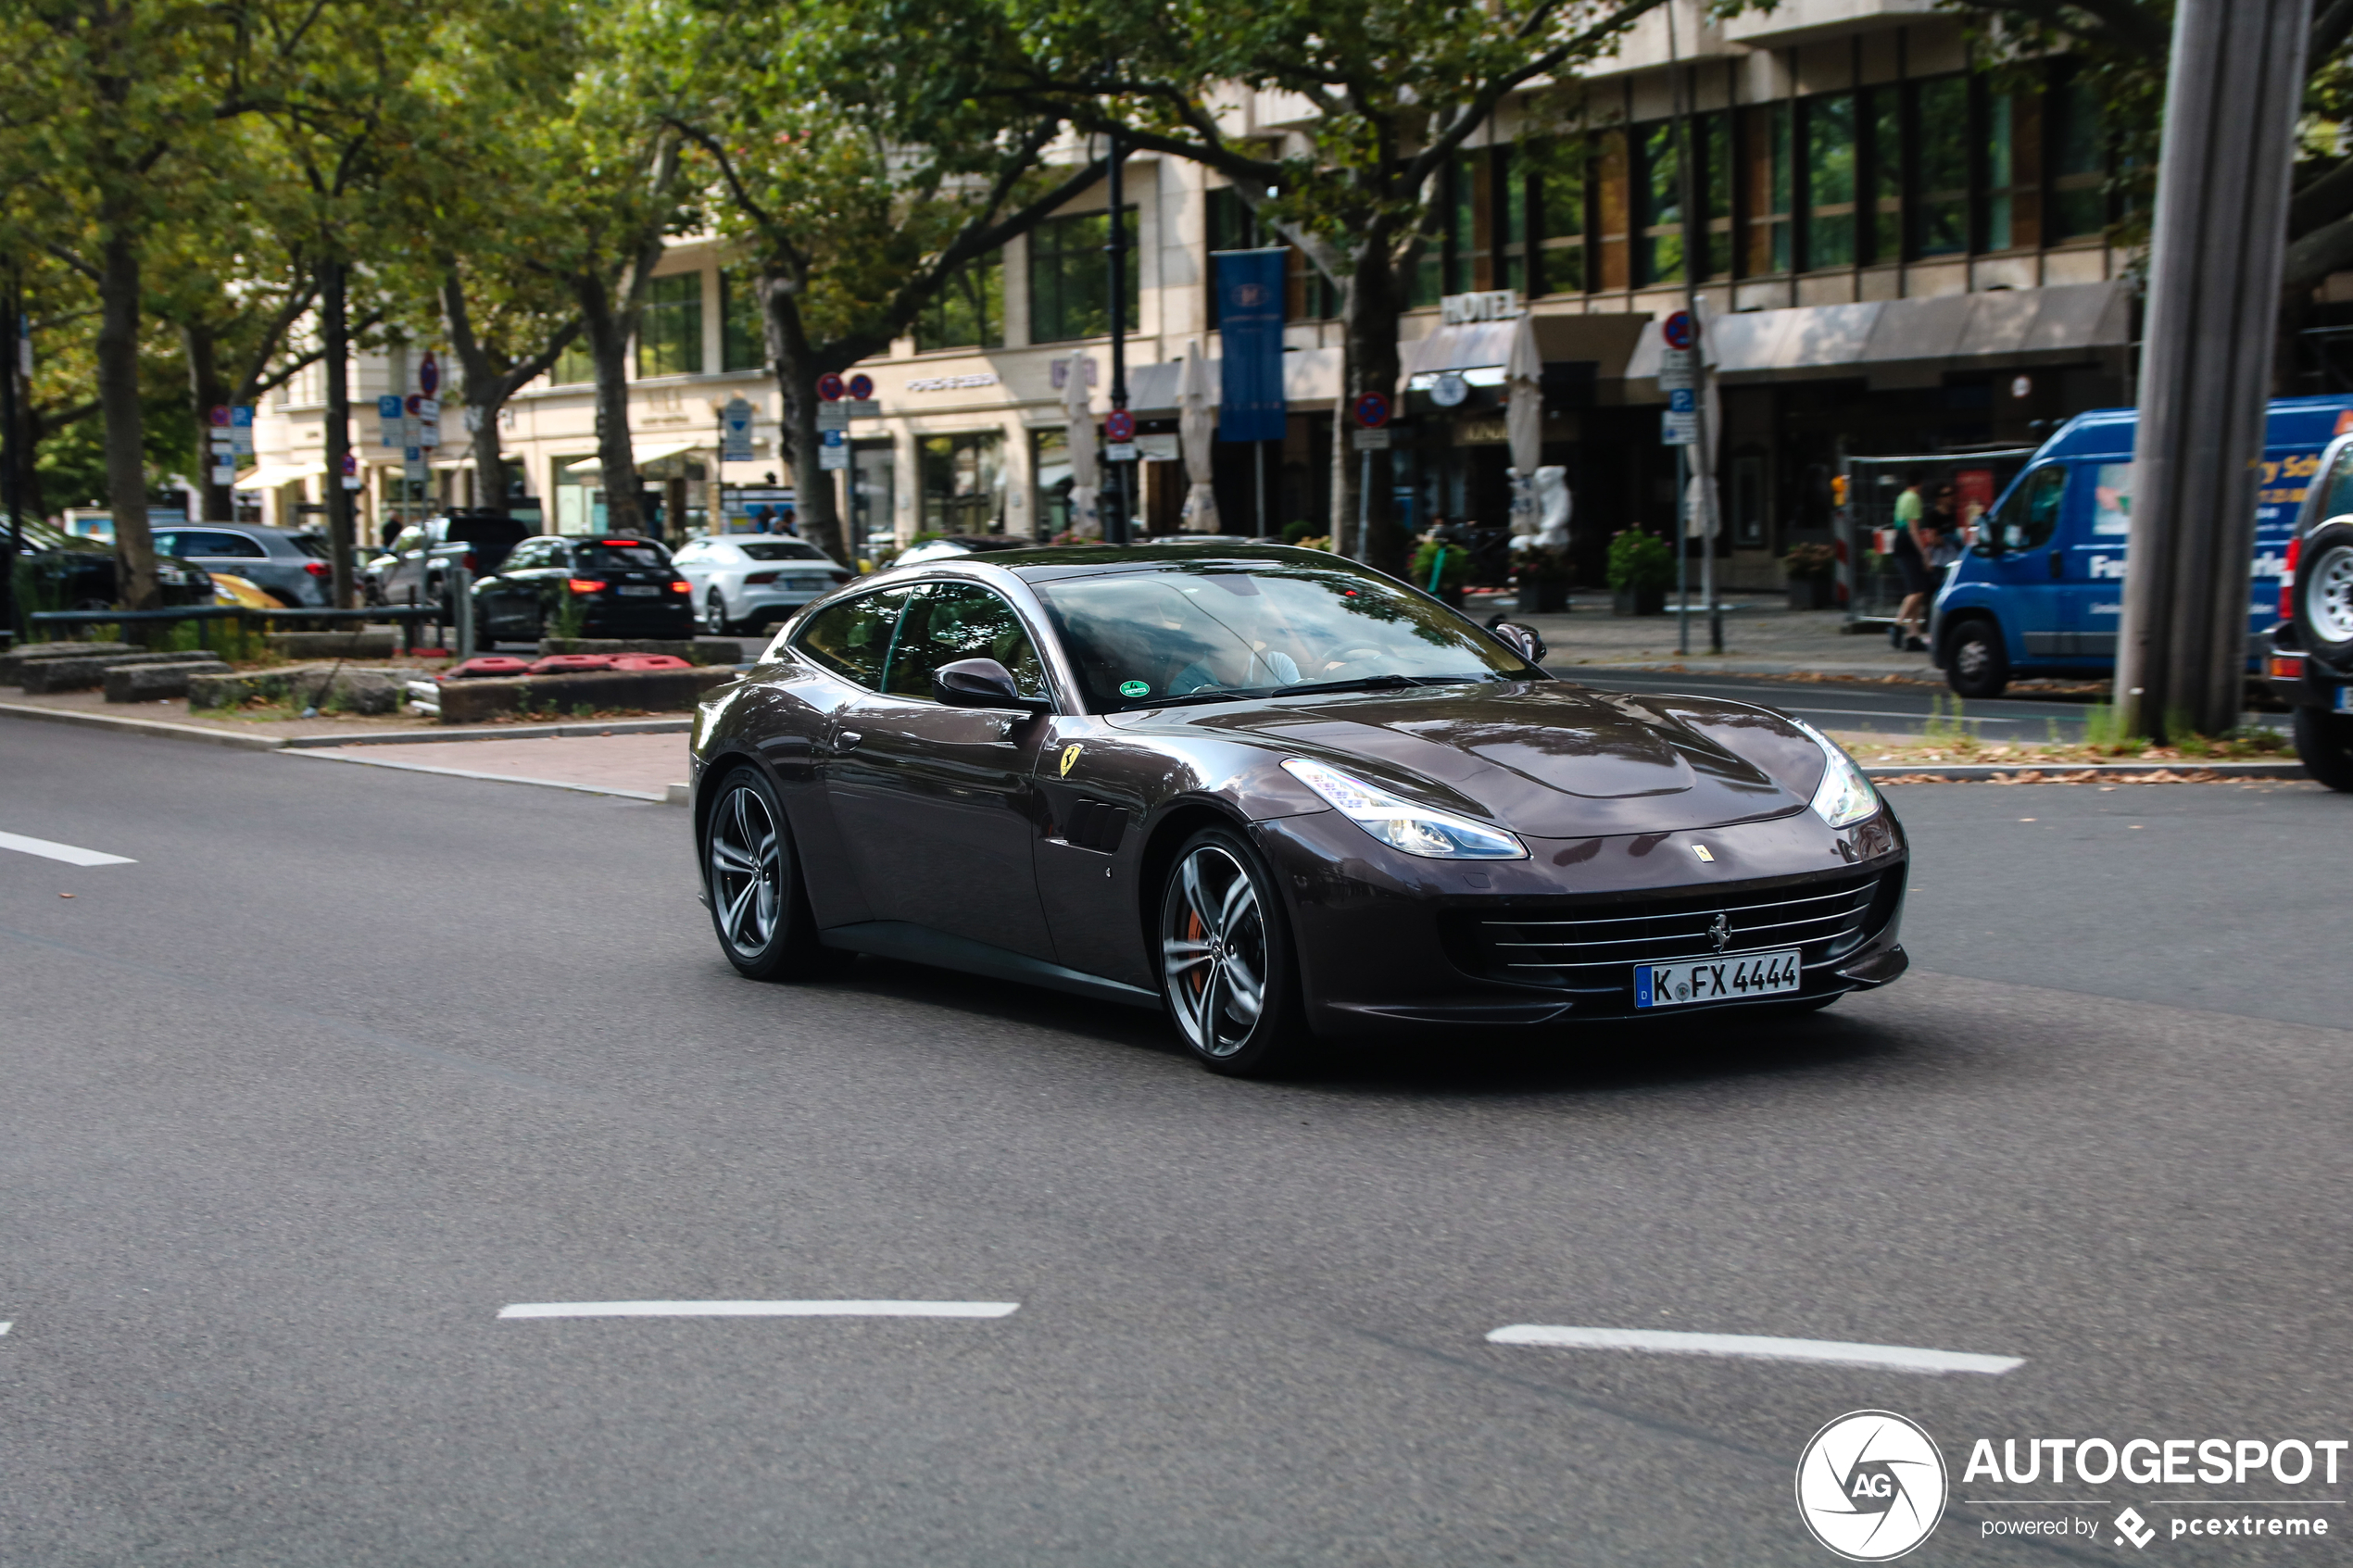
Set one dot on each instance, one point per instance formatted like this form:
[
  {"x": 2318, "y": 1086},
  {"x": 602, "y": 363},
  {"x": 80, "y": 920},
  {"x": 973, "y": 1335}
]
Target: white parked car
[{"x": 744, "y": 582}]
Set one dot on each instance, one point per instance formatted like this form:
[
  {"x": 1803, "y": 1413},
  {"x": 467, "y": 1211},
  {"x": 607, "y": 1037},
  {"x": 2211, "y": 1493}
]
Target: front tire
[
  {"x": 1976, "y": 664},
  {"x": 1228, "y": 971},
  {"x": 758, "y": 906},
  {"x": 2324, "y": 744}
]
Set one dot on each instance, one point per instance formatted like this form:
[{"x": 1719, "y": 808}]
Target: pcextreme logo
[{"x": 1871, "y": 1486}]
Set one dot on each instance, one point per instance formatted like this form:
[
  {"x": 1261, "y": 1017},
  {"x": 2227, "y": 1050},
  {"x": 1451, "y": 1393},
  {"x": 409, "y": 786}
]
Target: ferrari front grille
[{"x": 1593, "y": 947}]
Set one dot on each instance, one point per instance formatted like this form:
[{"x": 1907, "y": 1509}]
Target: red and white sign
[{"x": 1119, "y": 425}]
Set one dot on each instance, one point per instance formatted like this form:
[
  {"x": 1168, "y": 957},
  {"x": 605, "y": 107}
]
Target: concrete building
[{"x": 1895, "y": 255}]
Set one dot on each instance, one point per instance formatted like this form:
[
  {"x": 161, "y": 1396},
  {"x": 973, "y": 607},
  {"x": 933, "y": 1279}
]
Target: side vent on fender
[{"x": 1095, "y": 824}]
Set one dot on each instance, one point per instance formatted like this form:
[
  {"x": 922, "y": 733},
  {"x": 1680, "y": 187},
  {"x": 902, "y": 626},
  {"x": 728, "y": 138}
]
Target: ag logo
[
  {"x": 1871, "y": 1486},
  {"x": 1070, "y": 758}
]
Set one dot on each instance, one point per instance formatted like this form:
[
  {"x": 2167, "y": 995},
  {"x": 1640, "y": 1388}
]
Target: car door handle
[{"x": 846, "y": 740}]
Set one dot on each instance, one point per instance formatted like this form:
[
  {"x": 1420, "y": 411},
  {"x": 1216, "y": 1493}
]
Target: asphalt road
[
  {"x": 350, "y": 1058},
  {"x": 1850, "y": 706}
]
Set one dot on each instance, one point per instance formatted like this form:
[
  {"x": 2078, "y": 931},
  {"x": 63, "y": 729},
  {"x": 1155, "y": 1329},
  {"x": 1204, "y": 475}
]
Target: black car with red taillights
[{"x": 607, "y": 585}]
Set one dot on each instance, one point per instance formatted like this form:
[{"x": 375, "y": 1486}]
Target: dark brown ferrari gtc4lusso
[{"x": 1280, "y": 795}]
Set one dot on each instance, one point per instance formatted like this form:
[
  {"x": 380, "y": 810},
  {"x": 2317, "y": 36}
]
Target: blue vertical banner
[{"x": 1250, "y": 316}]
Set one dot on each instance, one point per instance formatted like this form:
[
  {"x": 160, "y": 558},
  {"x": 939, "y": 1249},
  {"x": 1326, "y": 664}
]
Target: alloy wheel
[
  {"x": 1215, "y": 962},
  {"x": 747, "y": 870},
  {"x": 714, "y": 614}
]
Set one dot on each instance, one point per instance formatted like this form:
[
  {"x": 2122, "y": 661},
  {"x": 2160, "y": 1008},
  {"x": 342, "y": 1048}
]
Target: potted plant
[
  {"x": 1640, "y": 568},
  {"x": 1541, "y": 575},
  {"x": 1813, "y": 570},
  {"x": 1442, "y": 570}
]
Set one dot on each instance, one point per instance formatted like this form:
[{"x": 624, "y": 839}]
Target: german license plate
[
  {"x": 639, "y": 590},
  {"x": 1735, "y": 977},
  {"x": 2345, "y": 699}
]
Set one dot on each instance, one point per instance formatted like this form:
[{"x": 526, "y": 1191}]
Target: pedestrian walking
[{"x": 1911, "y": 567}]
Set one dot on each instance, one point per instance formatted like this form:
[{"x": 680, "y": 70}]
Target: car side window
[
  {"x": 953, "y": 621},
  {"x": 166, "y": 544},
  {"x": 2336, "y": 496},
  {"x": 853, "y": 638},
  {"x": 2031, "y": 516},
  {"x": 229, "y": 544}
]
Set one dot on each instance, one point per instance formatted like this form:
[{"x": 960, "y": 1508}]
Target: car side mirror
[
  {"x": 1523, "y": 641},
  {"x": 982, "y": 683}
]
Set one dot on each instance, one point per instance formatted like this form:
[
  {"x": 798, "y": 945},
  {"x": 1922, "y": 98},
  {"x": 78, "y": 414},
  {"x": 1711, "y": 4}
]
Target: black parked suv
[
  {"x": 621, "y": 586},
  {"x": 2310, "y": 666}
]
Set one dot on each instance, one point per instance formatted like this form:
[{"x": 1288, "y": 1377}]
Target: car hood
[{"x": 1547, "y": 759}]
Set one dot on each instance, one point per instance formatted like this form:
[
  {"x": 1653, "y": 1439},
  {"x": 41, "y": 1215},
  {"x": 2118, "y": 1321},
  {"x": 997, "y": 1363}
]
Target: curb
[
  {"x": 2060, "y": 773},
  {"x": 155, "y": 728},
  {"x": 1699, "y": 664},
  {"x": 513, "y": 732},
  {"x": 317, "y": 756}
]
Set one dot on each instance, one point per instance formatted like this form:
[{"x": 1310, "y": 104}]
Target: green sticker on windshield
[{"x": 1135, "y": 688}]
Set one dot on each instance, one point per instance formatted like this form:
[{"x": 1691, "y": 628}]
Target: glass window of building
[
  {"x": 2013, "y": 154},
  {"x": 1070, "y": 277},
  {"x": 1940, "y": 212},
  {"x": 1883, "y": 116},
  {"x": 1466, "y": 193},
  {"x": 1613, "y": 206},
  {"x": 970, "y": 311},
  {"x": 964, "y": 482},
  {"x": 2079, "y": 162},
  {"x": 1769, "y": 188},
  {"x": 743, "y": 338},
  {"x": 1658, "y": 191},
  {"x": 1830, "y": 180},
  {"x": 670, "y": 331},
  {"x": 1556, "y": 183},
  {"x": 873, "y": 493},
  {"x": 574, "y": 365},
  {"x": 1050, "y": 462}
]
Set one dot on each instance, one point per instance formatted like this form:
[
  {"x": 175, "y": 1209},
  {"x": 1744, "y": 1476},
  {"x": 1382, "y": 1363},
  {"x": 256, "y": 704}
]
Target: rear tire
[
  {"x": 714, "y": 616},
  {"x": 1229, "y": 973},
  {"x": 2324, "y": 744},
  {"x": 1976, "y": 664},
  {"x": 2323, "y": 597},
  {"x": 759, "y": 907}
]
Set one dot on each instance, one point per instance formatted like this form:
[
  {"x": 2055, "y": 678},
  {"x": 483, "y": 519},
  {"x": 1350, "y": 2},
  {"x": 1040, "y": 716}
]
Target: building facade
[{"x": 1892, "y": 253}]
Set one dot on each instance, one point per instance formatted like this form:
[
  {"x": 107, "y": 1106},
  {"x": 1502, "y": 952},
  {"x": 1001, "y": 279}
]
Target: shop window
[
  {"x": 669, "y": 329},
  {"x": 970, "y": 310},
  {"x": 1830, "y": 180},
  {"x": 1612, "y": 207},
  {"x": 1658, "y": 190},
  {"x": 2079, "y": 163},
  {"x": 743, "y": 338},
  {"x": 1769, "y": 188},
  {"x": 1940, "y": 210},
  {"x": 964, "y": 483},
  {"x": 1883, "y": 116},
  {"x": 2013, "y": 154},
  {"x": 1070, "y": 277}
]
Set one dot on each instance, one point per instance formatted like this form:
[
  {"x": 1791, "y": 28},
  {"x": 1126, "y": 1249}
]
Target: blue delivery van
[{"x": 2042, "y": 591}]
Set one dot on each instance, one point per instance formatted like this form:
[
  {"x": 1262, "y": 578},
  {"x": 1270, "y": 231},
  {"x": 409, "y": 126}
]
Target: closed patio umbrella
[
  {"x": 1197, "y": 427},
  {"x": 1523, "y": 421},
  {"x": 1085, "y": 516}
]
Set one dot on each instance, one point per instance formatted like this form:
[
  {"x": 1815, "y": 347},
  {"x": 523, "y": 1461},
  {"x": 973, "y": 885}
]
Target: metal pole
[
  {"x": 1682, "y": 559},
  {"x": 1364, "y": 508},
  {"x": 19, "y": 346},
  {"x": 1115, "y": 528},
  {"x": 1258, "y": 455},
  {"x": 2232, "y": 91},
  {"x": 1695, "y": 243}
]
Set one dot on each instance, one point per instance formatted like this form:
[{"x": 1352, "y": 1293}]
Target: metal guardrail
[{"x": 406, "y": 616}]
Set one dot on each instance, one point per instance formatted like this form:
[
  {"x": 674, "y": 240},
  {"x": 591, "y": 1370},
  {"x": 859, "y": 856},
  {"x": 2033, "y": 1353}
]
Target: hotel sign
[{"x": 1493, "y": 305}]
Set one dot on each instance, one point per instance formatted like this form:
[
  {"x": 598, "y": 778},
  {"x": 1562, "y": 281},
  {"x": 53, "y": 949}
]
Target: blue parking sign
[{"x": 1680, "y": 401}]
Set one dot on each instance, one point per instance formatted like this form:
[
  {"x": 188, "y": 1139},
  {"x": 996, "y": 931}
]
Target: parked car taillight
[
  {"x": 2287, "y": 580},
  {"x": 469, "y": 562},
  {"x": 316, "y": 568},
  {"x": 680, "y": 585},
  {"x": 759, "y": 577},
  {"x": 584, "y": 584}
]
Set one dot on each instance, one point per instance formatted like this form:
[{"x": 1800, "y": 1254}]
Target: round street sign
[
  {"x": 429, "y": 375},
  {"x": 415, "y": 405},
  {"x": 1119, "y": 425},
  {"x": 1372, "y": 410},
  {"x": 829, "y": 387},
  {"x": 351, "y": 464},
  {"x": 862, "y": 386},
  {"x": 1680, "y": 330},
  {"x": 1449, "y": 390}
]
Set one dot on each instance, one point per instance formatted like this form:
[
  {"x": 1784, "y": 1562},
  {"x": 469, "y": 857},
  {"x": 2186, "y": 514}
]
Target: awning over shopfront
[
  {"x": 269, "y": 476},
  {"x": 590, "y": 466},
  {"x": 1903, "y": 341},
  {"x": 1479, "y": 350},
  {"x": 1310, "y": 383}
]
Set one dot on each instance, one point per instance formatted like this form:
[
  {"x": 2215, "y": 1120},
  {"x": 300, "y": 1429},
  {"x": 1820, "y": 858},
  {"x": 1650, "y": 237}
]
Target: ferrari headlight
[
  {"x": 1844, "y": 796},
  {"x": 1400, "y": 824}
]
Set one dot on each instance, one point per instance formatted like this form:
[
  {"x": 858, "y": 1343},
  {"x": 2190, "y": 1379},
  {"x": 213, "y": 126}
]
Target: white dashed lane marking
[
  {"x": 761, "y": 1310},
  {"x": 1831, "y": 1352},
  {"x": 66, "y": 852}
]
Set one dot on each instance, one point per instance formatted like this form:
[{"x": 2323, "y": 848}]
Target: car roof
[{"x": 1048, "y": 562}]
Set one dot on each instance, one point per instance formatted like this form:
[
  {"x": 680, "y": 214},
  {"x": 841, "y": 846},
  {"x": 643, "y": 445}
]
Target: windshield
[
  {"x": 779, "y": 549},
  {"x": 1206, "y": 634}
]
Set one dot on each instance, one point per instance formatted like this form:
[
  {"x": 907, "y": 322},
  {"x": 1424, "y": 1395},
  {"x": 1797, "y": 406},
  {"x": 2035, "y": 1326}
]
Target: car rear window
[
  {"x": 610, "y": 555},
  {"x": 312, "y": 545},
  {"x": 779, "y": 549}
]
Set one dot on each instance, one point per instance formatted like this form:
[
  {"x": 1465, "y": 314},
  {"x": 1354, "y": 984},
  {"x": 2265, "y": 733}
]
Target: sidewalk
[
  {"x": 1761, "y": 637},
  {"x": 640, "y": 767}
]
